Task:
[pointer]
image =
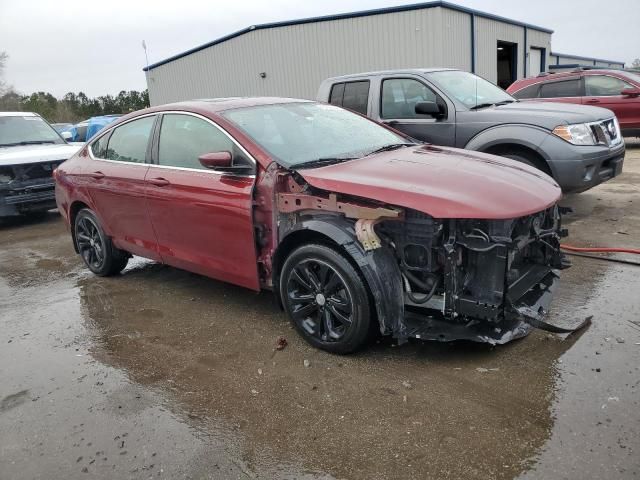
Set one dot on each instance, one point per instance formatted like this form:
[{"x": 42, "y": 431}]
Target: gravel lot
[{"x": 162, "y": 373}]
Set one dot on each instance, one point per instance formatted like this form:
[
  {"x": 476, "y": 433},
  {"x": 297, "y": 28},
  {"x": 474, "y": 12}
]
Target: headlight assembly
[{"x": 578, "y": 134}]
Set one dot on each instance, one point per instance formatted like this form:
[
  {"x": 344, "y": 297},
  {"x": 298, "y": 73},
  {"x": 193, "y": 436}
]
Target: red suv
[
  {"x": 355, "y": 227},
  {"x": 616, "y": 90}
]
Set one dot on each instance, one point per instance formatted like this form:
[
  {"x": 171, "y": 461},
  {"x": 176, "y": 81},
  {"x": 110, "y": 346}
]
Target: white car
[{"x": 30, "y": 149}]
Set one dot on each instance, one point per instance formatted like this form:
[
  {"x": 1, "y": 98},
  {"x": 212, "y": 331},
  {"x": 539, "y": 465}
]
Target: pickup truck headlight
[{"x": 578, "y": 134}]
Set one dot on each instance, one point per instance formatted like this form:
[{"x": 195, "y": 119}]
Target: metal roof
[
  {"x": 342, "y": 16},
  {"x": 591, "y": 59}
]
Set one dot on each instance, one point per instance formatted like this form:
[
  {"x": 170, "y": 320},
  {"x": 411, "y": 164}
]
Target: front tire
[
  {"x": 96, "y": 249},
  {"x": 326, "y": 299}
]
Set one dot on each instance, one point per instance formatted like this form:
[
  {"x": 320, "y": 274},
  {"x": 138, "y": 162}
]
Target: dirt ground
[{"x": 165, "y": 374}]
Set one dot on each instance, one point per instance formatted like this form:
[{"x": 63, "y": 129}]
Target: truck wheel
[
  {"x": 326, "y": 299},
  {"x": 96, "y": 249}
]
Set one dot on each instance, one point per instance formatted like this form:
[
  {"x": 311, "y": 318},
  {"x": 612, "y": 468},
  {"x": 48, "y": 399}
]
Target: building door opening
[
  {"x": 536, "y": 61},
  {"x": 507, "y": 63}
]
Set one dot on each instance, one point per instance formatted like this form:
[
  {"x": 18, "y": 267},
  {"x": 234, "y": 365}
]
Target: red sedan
[
  {"x": 616, "y": 90},
  {"x": 353, "y": 226}
]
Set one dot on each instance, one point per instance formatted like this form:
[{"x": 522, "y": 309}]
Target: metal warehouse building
[{"x": 292, "y": 58}]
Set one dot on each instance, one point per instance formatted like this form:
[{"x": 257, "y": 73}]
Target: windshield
[
  {"x": 26, "y": 130},
  {"x": 469, "y": 89},
  {"x": 299, "y": 133}
]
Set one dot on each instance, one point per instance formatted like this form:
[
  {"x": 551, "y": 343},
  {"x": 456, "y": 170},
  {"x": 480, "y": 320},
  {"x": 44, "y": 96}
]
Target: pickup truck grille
[{"x": 606, "y": 132}]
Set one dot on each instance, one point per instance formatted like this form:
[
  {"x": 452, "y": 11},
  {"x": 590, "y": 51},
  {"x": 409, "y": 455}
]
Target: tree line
[{"x": 72, "y": 107}]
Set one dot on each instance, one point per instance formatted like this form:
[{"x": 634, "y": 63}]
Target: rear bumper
[
  {"x": 579, "y": 168},
  {"x": 27, "y": 196}
]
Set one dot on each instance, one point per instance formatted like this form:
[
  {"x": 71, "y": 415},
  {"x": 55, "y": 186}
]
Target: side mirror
[
  {"x": 429, "y": 108},
  {"x": 67, "y": 136},
  {"x": 631, "y": 92},
  {"x": 215, "y": 160}
]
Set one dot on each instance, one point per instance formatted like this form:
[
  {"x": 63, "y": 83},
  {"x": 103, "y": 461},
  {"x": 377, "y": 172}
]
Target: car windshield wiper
[
  {"x": 482, "y": 105},
  {"x": 490, "y": 104},
  {"x": 391, "y": 146},
  {"x": 321, "y": 162},
  {"x": 26, "y": 142}
]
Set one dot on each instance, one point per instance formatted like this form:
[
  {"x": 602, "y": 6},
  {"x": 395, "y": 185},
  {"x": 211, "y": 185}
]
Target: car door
[
  {"x": 565, "y": 90},
  {"x": 398, "y": 98},
  {"x": 202, "y": 217},
  {"x": 606, "y": 91},
  {"x": 116, "y": 185}
]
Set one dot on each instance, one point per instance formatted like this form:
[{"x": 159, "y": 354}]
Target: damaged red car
[{"x": 355, "y": 227}]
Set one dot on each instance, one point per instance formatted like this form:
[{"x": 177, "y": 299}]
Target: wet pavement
[{"x": 159, "y": 373}]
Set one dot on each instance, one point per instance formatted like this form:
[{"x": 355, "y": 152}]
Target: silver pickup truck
[
  {"x": 579, "y": 146},
  {"x": 30, "y": 150}
]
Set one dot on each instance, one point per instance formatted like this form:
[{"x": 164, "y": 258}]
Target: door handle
[
  {"x": 593, "y": 100},
  {"x": 391, "y": 123},
  {"x": 97, "y": 175},
  {"x": 159, "y": 181}
]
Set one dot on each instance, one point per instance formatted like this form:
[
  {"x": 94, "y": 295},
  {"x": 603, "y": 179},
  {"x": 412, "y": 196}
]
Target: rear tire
[
  {"x": 326, "y": 299},
  {"x": 95, "y": 247}
]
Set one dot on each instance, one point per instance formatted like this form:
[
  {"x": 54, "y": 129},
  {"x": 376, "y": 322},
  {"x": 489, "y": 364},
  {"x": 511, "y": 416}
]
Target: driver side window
[
  {"x": 184, "y": 138},
  {"x": 400, "y": 96}
]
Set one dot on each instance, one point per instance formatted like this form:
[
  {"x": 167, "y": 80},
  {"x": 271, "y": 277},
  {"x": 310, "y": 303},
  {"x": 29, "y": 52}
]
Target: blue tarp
[
  {"x": 83, "y": 131},
  {"x": 98, "y": 123}
]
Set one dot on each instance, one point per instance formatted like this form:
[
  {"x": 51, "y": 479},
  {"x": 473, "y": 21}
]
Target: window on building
[
  {"x": 400, "y": 96},
  {"x": 604, "y": 86},
  {"x": 128, "y": 143},
  {"x": 351, "y": 95},
  {"x": 564, "y": 88}
]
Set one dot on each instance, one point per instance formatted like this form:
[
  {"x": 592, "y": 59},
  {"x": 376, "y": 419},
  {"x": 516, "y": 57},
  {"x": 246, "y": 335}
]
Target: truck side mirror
[
  {"x": 67, "y": 136},
  {"x": 429, "y": 108}
]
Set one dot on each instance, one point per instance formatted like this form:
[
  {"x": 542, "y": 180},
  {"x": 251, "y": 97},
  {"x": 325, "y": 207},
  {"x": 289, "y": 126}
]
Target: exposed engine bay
[{"x": 438, "y": 279}]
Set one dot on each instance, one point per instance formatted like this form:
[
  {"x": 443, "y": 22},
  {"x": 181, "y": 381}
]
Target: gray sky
[{"x": 95, "y": 46}]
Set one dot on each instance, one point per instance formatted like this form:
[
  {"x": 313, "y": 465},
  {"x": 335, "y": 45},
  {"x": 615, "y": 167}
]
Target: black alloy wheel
[
  {"x": 96, "y": 248},
  {"x": 326, "y": 298}
]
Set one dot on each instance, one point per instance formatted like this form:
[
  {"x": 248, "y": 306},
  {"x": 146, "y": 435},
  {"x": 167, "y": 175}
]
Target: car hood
[
  {"x": 544, "y": 114},
  {"x": 22, "y": 154},
  {"x": 442, "y": 182}
]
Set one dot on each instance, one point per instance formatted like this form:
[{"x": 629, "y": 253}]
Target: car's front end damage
[
  {"x": 27, "y": 188},
  {"x": 485, "y": 280}
]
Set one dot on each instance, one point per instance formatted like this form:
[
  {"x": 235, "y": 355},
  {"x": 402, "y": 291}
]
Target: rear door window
[
  {"x": 563, "y": 88},
  {"x": 128, "y": 143},
  {"x": 604, "y": 86},
  {"x": 527, "y": 92},
  {"x": 400, "y": 96},
  {"x": 351, "y": 95}
]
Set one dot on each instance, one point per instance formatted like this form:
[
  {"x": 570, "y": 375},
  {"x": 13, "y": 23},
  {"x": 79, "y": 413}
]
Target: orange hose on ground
[{"x": 600, "y": 249}]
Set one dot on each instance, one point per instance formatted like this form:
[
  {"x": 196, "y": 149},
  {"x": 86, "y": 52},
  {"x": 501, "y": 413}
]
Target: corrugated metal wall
[{"x": 296, "y": 58}]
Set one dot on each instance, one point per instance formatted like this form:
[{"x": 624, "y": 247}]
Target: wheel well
[
  {"x": 73, "y": 212},
  {"x": 526, "y": 152},
  {"x": 294, "y": 240}
]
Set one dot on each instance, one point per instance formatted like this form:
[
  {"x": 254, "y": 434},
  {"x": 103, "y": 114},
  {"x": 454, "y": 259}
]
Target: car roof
[
  {"x": 549, "y": 77},
  {"x": 415, "y": 71},
  {"x": 215, "y": 105},
  {"x": 18, "y": 114}
]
